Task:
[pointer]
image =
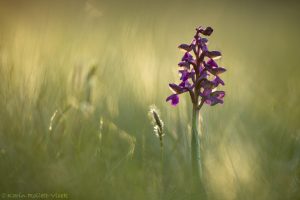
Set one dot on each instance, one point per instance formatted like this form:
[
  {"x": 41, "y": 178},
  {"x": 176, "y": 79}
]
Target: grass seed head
[{"x": 157, "y": 123}]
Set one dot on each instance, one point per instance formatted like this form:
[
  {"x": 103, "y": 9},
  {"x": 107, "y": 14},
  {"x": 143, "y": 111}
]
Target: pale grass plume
[
  {"x": 82, "y": 86},
  {"x": 158, "y": 124}
]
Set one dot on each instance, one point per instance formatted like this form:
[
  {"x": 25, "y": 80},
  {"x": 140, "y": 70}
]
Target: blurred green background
[{"x": 95, "y": 67}]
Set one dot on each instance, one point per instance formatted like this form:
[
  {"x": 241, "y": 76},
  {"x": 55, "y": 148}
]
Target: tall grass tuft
[
  {"x": 158, "y": 124},
  {"x": 158, "y": 127}
]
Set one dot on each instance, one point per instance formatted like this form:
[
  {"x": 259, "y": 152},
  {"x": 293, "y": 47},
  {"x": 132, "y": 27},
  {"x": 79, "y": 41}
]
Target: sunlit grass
[{"x": 101, "y": 145}]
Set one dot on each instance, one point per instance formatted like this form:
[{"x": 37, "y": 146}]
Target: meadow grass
[{"x": 90, "y": 75}]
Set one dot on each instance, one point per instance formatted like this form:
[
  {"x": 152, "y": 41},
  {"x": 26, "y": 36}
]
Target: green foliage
[{"x": 92, "y": 75}]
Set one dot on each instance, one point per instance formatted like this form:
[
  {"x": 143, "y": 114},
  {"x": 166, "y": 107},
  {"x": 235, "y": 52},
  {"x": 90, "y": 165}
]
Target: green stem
[
  {"x": 195, "y": 146},
  {"x": 197, "y": 164}
]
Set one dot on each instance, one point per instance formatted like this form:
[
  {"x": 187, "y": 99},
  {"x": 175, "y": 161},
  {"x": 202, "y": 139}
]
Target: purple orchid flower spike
[
  {"x": 200, "y": 77},
  {"x": 198, "y": 68}
]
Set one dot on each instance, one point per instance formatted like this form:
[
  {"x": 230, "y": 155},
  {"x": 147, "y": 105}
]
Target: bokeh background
[{"x": 77, "y": 79}]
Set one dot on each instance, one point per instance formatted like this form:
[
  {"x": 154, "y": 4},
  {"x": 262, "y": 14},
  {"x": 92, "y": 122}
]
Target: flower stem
[
  {"x": 195, "y": 145},
  {"x": 197, "y": 164}
]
